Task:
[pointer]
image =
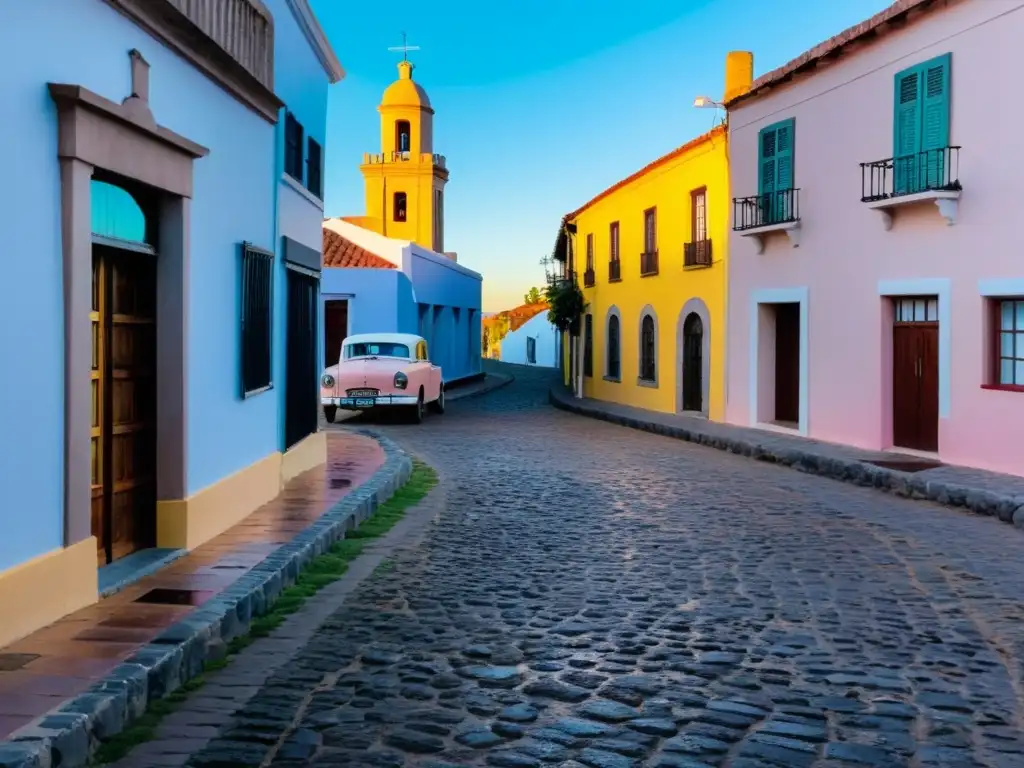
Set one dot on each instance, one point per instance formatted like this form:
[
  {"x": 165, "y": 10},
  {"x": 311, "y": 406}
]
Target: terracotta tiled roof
[
  {"x": 878, "y": 25},
  {"x": 341, "y": 252},
  {"x": 518, "y": 316},
  {"x": 719, "y": 131}
]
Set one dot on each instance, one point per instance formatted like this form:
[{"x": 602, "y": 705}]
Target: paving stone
[{"x": 600, "y": 597}]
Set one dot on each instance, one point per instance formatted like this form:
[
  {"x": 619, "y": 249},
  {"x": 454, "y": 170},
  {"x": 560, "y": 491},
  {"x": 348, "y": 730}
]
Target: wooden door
[
  {"x": 335, "y": 329},
  {"x": 787, "y": 363},
  {"x": 124, "y": 402},
  {"x": 693, "y": 363},
  {"x": 915, "y": 386}
]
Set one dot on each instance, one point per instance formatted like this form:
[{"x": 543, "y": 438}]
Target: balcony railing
[
  {"x": 232, "y": 41},
  {"x": 928, "y": 171},
  {"x": 614, "y": 270},
  {"x": 697, "y": 254},
  {"x": 765, "y": 210},
  {"x": 384, "y": 158},
  {"x": 588, "y": 277},
  {"x": 648, "y": 263}
]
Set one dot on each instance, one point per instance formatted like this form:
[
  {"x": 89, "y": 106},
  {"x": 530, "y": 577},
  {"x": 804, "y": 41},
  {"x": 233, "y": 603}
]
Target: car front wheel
[{"x": 330, "y": 411}]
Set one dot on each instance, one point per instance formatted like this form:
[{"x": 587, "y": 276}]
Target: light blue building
[
  {"x": 163, "y": 247},
  {"x": 377, "y": 284}
]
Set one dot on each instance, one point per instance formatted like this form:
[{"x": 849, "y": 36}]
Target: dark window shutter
[
  {"x": 257, "y": 292},
  {"x": 314, "y": 168}
]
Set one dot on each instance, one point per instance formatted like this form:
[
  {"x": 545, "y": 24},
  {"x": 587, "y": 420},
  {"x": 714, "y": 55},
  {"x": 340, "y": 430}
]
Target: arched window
[
  {"x": 403, "y": 136},
  {"x": 648, "y": 366},
  {"x": 116, "y": 215},
  {"x": 614, "y": 368},
  {"x": 400, "y": 203}
]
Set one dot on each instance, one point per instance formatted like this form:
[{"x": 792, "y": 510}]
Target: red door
[
  {"x": 335, "y": 329},
  {"x": 787, "y": 363},
  {"x": 915, "y": 386}
]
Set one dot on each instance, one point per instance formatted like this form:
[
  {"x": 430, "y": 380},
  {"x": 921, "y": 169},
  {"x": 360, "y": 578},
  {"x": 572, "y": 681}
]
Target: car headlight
[
  {"x": 401, "y": 380},
  {"x": 327, "y": 381}
]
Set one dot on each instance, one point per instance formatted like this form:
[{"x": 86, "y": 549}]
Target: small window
[
  {"x": 919, "y": 309},
  {"x": 650, "y": 231},
  {"x": 314, "y": 168},
  {"x": 588, "y": 345},
  {"x": 257, "y": 318},
  {"x": 293, "y": 147},
  {"x": 648, "y": 368},
  {"x": 1010, "y": 342},
  {"x": 698, "y": 215},
  {"x": 531, "y": 350},
  {"x": 613, "y": 241},
  {"x": 400, "y": 203},
  {"x": 590, "y": 251},
  {"x": 614, "y": 368},
  {"x": 403, "y": 136}
]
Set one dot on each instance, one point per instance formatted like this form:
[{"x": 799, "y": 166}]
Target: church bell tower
[{"x": 405, "y": 182}]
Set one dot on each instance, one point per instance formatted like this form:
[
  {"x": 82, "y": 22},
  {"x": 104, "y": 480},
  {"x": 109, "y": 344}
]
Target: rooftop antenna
[{"x": 404, "y": 48}]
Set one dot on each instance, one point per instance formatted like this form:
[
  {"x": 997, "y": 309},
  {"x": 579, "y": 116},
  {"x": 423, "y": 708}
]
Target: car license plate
[
  {"x": 365, "y": 402},
  {"x": 362, "y": 392}
]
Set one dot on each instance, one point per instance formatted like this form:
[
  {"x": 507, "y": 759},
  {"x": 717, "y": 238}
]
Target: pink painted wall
[{"x": 844, "y": 117}]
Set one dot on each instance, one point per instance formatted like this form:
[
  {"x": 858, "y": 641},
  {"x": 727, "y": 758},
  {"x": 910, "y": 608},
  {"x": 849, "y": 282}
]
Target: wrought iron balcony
[
  {"x": 614, "y": 271},
  {"x": 588, "y": 277},
  {"x": 648, "y": 263},
  {"x": 930, "y": 171},
  {"x": 765, "y": 210},
  {"x": 697, "y": 254}
]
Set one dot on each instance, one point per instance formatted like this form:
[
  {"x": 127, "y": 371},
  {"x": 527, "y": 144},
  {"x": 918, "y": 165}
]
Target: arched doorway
[
  {"x": 124, "y": 382},
  {"x": 693, "y": 363}
]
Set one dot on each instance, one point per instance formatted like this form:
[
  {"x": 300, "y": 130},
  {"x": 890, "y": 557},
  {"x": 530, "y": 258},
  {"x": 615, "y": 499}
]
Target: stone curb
[
  {"x": 67, "y": 736},
  {"x": 501, "y": 380},
  {"x": 1009, "y": 509}
]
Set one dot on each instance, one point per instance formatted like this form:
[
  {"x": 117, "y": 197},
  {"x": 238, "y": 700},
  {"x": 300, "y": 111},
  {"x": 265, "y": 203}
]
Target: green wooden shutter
[
  {"x": 906, "y": 130},
  {"x": 785, "y": 137},
  {"x": 766, "y": 172},
  {"x": 935, "y": 118}
]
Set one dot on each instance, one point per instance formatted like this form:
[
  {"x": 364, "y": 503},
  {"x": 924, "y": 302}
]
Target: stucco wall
[
  {"x": 302, "y": 84},
  {"x": 668, "y": 187},
  {"x": 513, "y": 346},
  {"x": 844, "y": 117},
  {"x": 374, "y": 298},
  {"x": 233, "y": 202}
]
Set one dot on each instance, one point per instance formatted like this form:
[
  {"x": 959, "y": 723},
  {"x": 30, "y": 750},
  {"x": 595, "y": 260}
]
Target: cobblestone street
[{"x": 598, "y": 596}]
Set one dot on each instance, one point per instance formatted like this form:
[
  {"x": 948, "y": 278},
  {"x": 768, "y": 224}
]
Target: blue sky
[{"x": 541, "y": 104}]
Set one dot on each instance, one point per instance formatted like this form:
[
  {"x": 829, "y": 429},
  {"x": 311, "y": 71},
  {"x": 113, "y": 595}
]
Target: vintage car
[{"x": 378, "y": 370}]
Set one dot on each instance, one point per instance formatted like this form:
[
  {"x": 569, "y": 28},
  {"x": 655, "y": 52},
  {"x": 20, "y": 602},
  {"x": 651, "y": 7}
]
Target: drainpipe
[
  {"x": 384, "y": 205},
  {"x": 278, "y": 338}
]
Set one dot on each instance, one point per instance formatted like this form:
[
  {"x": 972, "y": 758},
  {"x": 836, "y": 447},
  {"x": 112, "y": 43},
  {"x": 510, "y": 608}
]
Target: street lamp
[{"x": 703, "y": 102}]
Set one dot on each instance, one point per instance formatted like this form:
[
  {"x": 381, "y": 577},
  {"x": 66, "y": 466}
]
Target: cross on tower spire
[{"x": 404, "y": 48}]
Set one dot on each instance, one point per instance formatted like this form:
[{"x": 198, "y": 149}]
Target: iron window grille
[{"x": 257, "y": 292}]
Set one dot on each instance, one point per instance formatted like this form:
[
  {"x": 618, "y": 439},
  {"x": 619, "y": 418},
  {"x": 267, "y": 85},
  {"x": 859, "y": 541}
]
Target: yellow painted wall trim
[
  {"x": 40, "y": 591},
  {"x": 309, "y": 452},
  {"x": 187, "y": 523}
]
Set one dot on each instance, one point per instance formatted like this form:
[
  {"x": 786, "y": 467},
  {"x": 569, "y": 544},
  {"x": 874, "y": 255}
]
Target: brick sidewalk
[
  {"x": 58, "y": 662},
  {"x": 981, "y": 492}
]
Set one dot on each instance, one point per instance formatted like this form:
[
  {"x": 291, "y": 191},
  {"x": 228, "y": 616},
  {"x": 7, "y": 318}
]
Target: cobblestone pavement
[{"x": 596, "y": 596}]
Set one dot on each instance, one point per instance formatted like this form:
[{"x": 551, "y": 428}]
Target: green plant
[
  {"x": 533, "y": 296},
  {"x": 566, "y": 305}
]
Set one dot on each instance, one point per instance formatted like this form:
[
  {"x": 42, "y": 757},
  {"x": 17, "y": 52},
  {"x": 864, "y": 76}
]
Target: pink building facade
[{"x": 876, "y": 293}]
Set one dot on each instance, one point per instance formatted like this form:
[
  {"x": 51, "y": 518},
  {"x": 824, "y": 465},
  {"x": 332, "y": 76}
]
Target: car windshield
[{"x": 376, "y": 349}]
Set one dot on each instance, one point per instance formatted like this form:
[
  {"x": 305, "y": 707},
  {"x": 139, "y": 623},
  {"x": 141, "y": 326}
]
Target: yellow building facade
[
  {"x": 651, "y": 256},
  {"x": 405, "y": 181}
]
